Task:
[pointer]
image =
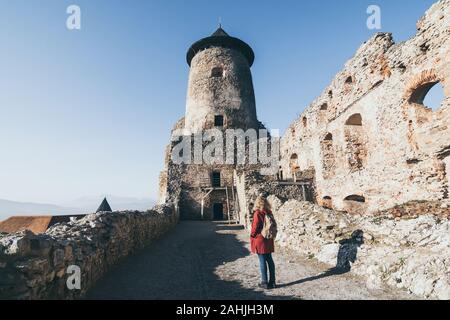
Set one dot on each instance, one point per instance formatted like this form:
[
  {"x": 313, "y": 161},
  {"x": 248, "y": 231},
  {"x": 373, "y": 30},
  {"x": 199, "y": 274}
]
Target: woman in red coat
[{"x": 261, "y": 246}]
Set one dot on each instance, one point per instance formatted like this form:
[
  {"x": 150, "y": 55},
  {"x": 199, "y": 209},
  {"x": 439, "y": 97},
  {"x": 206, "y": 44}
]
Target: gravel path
[{"x": 205, "y": 260}]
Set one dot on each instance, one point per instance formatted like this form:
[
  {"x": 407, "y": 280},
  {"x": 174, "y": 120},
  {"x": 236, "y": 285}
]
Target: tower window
[
  {"x": 218, "y": 121},
  {"x": 217, "y": 72},
  {"x": 216, "y": 180}
]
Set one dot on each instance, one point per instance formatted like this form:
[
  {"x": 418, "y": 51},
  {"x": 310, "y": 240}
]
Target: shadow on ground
[
  {"x": 347, "y": 254},
  {"x": 181, "y": 265}
]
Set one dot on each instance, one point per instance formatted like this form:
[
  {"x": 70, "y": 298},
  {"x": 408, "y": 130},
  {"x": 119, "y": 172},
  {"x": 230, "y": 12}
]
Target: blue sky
[{"x": 89, "y": 112}]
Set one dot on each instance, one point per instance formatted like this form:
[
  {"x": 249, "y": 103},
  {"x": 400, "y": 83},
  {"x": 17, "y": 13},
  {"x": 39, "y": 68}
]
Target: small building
[{"x": 35, "y": 224}]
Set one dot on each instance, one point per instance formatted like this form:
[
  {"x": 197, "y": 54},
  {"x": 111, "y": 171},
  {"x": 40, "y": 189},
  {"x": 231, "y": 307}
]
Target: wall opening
[
  {"x": 216, "y": 179},
  {"x": 355, "y": 204},
  {"x": 294, "y": 160},
  {"x": 349, "y": 80},
  {"x": 327, "y": 202},
  {"x": 218, "y": 212},
  {"x": 429, "y": 95},
  {"x": 217, "y": 72},
  {"x": 355, "y": 138},
  {"x": 355, "y": 198},
  {"x": 354, "y": 120},
  {"x": 305, "y": 122},
  {"x": 294, "y": 166},
  {"x": 324, "y": 107},
  {"x": 218, "y": 121},
  {"x": 328, "y": 156}
]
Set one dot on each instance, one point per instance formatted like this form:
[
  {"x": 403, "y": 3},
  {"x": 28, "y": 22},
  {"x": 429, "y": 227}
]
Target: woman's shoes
[
  {"x": 267, "y": 286},
  {"x": 263, "y": 285}
]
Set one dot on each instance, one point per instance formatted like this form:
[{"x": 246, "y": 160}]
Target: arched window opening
[
  {"x": 349, "y": 80},
  {"x": 217, "y": 72},
  {"x": 327, "y": 202},
  {"x": 294, "y": 159},
  {"x": 328, "y": 156},
  {"x": 305, "y": 122},
  {"x": 355, "y": 204},
  {"x": 330, "y": 94},
  {"x": 354, "y": 120},
  {"x": 429, "y": 95},
  {"x": 324, "y": 107},
  {"x": 356, "y": 143},
  {"x": 294, "y": 166},
  {"x": 355, "y": 198}
]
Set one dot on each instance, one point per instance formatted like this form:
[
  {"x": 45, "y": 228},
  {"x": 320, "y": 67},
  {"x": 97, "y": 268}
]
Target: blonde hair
[{"x": 261, "y": 204}]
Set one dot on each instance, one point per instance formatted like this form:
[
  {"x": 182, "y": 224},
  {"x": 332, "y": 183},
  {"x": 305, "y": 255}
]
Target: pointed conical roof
[
  {"x": 220, "y": 33},
  {"x": 220, "y": 38},
  {"x": 104, "y": 207}
]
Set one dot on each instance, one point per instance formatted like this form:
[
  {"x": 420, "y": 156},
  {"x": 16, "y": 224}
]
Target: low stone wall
[
  {"x": 411, "y": 253},
  {"x": 39, "y": 266}
]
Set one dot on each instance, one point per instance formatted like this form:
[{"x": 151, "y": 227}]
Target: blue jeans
[{"x": 264, "y": 261}]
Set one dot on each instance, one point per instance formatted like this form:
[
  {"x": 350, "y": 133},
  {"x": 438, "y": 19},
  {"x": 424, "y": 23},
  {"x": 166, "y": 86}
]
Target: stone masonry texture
[
  {"x": 370, "y": 139},
  {"x": 35, "y": 266}
]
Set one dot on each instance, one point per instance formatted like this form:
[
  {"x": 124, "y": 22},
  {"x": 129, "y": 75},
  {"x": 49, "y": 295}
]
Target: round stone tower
[{"x": 220, "y": 91}]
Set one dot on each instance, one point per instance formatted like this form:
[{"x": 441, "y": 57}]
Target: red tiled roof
[{"x": 35, "y": 224}]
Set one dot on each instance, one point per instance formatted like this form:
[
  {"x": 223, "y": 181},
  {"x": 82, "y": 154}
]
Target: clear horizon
[{"x": 89, "y": 112}]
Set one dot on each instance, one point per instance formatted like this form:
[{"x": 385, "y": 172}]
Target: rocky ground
[
  {"x": 410, "y": 253},
  {"x": 204, "y": 260}
]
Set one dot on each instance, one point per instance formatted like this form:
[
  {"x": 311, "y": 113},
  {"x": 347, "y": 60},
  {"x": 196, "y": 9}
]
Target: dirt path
[{"x": 204, "y": 260}]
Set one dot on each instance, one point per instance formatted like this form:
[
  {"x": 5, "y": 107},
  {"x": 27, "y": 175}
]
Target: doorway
[{"x": 218, "y": 211}]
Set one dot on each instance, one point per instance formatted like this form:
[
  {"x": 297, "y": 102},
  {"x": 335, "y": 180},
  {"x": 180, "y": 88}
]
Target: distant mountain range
[
  {"x": 91, "y": 203},
  {"x": 79, "y": 206}
]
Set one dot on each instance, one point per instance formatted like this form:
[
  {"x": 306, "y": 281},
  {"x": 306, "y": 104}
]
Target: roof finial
[{"x": 220, "y": 22}]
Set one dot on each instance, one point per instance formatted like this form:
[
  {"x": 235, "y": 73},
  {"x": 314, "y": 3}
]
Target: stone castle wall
[
  {"x": 36, "y": 266},
  {"x": 250, "y": 184},
  {"x": 368, "y": 136}
]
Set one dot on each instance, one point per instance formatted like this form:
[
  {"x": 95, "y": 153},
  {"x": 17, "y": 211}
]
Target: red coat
[{"x": 259, "y": 244}]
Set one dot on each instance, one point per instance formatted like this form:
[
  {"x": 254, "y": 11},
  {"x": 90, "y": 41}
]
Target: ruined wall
[
  {"x": 35, "y": 266},
  {"x": 368, "y": 136},
  {"x": 411, "y": 254},
  {"x": 250, "y": 184}
]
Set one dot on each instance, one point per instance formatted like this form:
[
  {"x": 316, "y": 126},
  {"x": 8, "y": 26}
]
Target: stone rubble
[{"x": 411, "y": 253}]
